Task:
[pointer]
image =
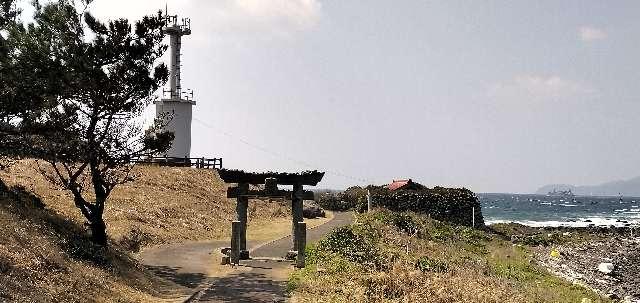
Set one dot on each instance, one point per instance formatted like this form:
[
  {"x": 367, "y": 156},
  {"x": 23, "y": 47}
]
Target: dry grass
[
  {"x": 162, "y": 205},
  {"x": 388, "y": 257},
  {"x": 280, "y": 227},
  {"x": 46, "y": 257}
]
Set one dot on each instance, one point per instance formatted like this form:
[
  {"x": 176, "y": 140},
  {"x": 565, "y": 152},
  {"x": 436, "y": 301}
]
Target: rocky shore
[{"x": 609, "y": 263}]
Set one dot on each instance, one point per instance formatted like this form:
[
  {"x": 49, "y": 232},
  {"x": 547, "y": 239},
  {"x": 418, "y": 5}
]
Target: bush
[
  {"x": 454, "y": 205},
  {"x": 355, "y": 243},
  {"x": 335, "y": 201},
  {"x": 345, "y": 242},
  {"x": 425, "y": 264},
  {"x": 405, "y": 223},
  {"x": 5, "y": 266},
  {"x": 135, "y": 240}
]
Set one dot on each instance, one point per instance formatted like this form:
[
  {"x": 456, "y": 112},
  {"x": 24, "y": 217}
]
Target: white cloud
[
  {"x": 299, "y": 13},
  {"x": 536, "y": 88},
  {"x": 590, "y": 34},
  {"x": 281, "y": 17},
  {"x": 270, "y": 17}
]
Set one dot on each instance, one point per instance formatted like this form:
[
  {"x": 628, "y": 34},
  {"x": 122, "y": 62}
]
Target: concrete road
[{"x": 264, "y": 277}]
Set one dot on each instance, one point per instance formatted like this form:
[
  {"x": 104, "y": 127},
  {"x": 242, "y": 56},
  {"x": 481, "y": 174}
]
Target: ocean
[{"x": 542, "y": 210}]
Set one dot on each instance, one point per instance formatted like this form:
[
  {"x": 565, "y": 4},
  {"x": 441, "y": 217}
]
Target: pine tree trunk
[{"x": 98, "y": 231}]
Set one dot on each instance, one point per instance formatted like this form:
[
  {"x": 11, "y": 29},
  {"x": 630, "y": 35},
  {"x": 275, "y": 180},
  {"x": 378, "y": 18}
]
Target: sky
[{"x": 495, "y": 96}]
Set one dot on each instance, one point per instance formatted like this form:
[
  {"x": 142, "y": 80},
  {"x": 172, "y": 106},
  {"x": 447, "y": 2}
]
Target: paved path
[
  {"x": 187, "y": 264},
  {"x": 279, "y": 248},
  {"x": 264, "y": 277},
  {"x": 261, "y": 279}
]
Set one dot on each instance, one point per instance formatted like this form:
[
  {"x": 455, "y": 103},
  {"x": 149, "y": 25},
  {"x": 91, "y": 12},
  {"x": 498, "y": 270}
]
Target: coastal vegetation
[
  {"x": 455, "y": 205},
  {"x": 388, "y": 256}
]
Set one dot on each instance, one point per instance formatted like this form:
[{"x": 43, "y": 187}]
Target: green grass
[{"x": 398, "y": 257}]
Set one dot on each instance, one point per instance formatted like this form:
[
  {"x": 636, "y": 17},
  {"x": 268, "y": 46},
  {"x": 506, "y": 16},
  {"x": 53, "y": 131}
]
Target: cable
[{"x": 280, "y": 155}]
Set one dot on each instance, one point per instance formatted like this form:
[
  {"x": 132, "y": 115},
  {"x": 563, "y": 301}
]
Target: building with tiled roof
[{"x": 406, "y": 184}]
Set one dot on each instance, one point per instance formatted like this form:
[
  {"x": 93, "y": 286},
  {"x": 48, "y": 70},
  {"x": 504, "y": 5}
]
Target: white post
[{"x": 368, "y": 201}]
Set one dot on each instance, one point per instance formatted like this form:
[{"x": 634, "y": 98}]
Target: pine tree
[{"x": 78, "y": 87}]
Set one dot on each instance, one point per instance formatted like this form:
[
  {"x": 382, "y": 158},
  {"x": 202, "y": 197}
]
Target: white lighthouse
[{"x": 176, "y": 105}]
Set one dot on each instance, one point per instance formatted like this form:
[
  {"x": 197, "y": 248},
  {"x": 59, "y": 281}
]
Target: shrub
[
  {"x": 355, "y": 243},
  {"x": 5, "y": 265},
  {"x": 454, "y": 205},
  {"x": 405, "y": 223},
  {"x": 135, "y": 240},
  {"x": 334, "y": 201},
  {"x": 345, "y": 242},
  {"x": 426, "y": 264}
]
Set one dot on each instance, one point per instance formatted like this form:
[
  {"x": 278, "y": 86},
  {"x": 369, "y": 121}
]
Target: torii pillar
[
  {"x": 296, "y": 214},
  {"x": 241, "y": 215}
]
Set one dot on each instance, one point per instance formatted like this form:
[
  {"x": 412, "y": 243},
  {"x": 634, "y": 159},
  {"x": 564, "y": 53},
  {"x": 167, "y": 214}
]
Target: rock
[
  {"x": 612, "y": 296},
  {"x": 606, "y": 268},
  {"x": 291, "y": 255},
  {"x": 311, "y": 212},
  {"x": 225, "y": 260}
]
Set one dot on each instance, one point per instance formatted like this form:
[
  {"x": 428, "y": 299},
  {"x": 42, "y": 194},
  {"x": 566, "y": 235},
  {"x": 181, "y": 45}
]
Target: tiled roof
[{"x": 397, "y": 184}]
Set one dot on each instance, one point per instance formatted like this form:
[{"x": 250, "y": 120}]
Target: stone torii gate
[{"x": 270, "y": 180}]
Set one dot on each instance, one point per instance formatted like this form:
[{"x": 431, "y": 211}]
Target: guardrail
[{"x": 210, "y": 163}]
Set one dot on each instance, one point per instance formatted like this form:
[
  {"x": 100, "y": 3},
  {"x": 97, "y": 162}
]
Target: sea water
[{"x": 578, "y": 211}]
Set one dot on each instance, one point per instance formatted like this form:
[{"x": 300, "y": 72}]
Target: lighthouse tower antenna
[{"x": 175, "y": 108}]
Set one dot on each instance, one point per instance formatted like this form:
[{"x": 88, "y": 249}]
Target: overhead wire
[{"x": 278, "y": 154}]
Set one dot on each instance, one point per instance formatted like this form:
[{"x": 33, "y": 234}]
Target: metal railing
[{"x": 209, "y": 163}]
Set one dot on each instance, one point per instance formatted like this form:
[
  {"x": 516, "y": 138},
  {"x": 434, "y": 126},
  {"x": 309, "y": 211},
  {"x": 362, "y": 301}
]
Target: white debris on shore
[{"x": 610, "y": 267}]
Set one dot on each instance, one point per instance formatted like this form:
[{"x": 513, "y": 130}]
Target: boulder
[
  {"x": 606, "y": 268},
  {"x": 225, "y": 260},
  {"x": 311, "y": 212},
  {"x": 612, "y": 296}
]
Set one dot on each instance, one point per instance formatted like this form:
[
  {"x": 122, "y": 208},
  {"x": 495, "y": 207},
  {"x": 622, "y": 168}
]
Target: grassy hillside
[
  {"x": 43, "y": 258},
  {"x": 45, "y": 255},
  {"x": 162, "y": 205},
  {"x": 405, "y": 257}
]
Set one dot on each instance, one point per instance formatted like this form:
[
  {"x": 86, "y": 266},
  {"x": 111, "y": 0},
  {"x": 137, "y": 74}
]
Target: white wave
[{"x": 583, "y": 222}]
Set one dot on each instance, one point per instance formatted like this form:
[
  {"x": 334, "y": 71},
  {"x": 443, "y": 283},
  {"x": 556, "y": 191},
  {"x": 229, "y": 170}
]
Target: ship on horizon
[{"x": 561, "y": 193}]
